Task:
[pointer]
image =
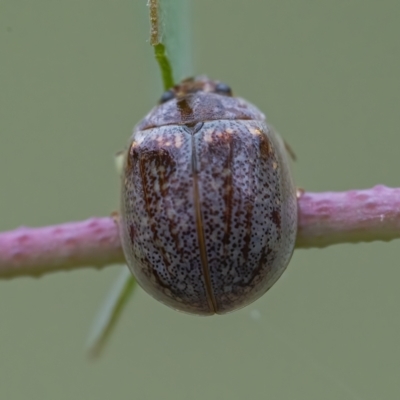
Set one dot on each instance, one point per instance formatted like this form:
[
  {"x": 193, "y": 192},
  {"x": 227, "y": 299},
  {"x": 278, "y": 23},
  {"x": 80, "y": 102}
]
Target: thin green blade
[
  {"x": 110, "y": 312},
  {"x": 177, "y": 36}
]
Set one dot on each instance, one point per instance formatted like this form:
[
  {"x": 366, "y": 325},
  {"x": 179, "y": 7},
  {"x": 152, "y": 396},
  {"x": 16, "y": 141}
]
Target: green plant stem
[
  {"x": 165, "y": 66},
  {"x": 159, "y": 48}
]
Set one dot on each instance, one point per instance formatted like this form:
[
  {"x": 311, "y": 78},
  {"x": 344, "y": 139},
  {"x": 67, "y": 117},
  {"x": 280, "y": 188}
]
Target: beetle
[{"x": 208, "y": 205}]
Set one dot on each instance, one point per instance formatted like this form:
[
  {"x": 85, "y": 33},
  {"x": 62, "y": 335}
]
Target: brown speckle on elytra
[
  {"x": 208, "y": 207},
  {"x": 276, "y": 218}
]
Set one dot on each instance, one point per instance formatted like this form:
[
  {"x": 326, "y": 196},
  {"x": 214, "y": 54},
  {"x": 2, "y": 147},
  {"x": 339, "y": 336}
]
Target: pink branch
[
  {"x": 324, "y": 219},
  {"x": 36, "y": 251},
  {"x": 348, "y": 217}
]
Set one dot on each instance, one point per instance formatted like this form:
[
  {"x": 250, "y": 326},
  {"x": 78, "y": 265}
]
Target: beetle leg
[
  {"x": 290, "y": 151},
  {"x": 119, "y": 161}
]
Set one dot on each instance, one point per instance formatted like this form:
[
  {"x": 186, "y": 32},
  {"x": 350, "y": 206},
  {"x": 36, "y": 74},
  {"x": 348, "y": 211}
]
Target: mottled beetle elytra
[{"x": 208, "y": 206}]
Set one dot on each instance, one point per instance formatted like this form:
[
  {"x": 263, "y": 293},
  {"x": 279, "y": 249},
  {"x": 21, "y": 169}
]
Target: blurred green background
[{"x": 75, "y": 76}]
